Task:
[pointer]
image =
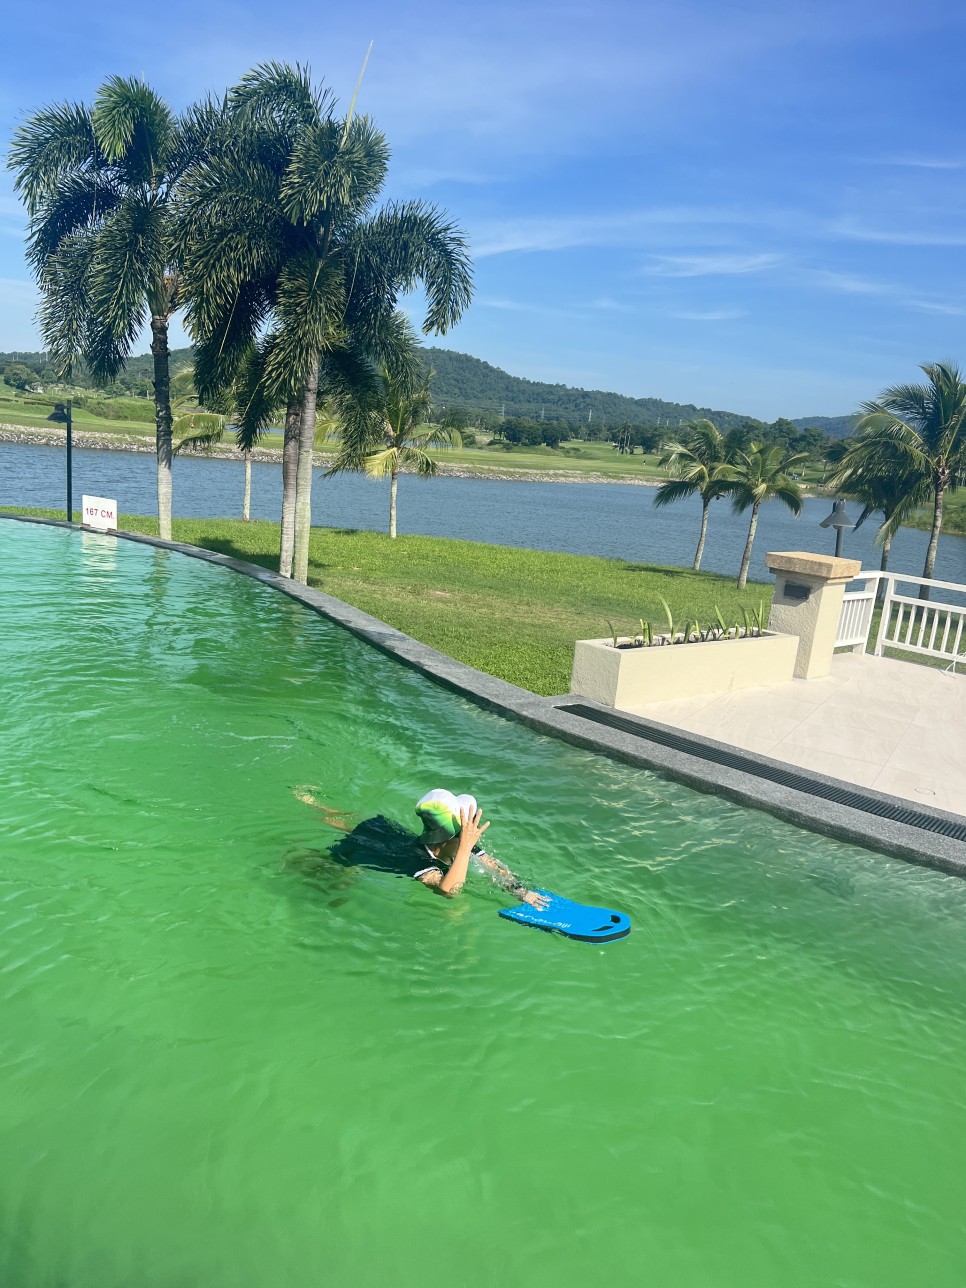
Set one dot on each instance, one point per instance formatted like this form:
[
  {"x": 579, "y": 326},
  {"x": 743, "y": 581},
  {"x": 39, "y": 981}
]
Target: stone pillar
[{"x": 808, "y": 602}]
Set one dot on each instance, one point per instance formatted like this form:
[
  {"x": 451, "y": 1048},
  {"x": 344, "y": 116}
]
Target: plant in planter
[
  {"x": 650, "y": 666},
  {"x": 692, "y": 632}
]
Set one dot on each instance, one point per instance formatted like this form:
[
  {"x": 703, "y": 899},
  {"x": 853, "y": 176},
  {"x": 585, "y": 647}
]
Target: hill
[
  {"x": 835, "y": 426},
  {"x": 464, "y": 381}
]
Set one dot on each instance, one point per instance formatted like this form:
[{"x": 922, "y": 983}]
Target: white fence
[
  {"x": 855, "y": 618},
  {"x": 930, "y": 627}
]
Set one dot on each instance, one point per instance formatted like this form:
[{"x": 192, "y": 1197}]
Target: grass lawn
[
  {"x": 954, "y": 514},
  {"x": 14, "y": 411},
  {"x": 591, "y": 458},
  {"x": 512, "y": 613}
]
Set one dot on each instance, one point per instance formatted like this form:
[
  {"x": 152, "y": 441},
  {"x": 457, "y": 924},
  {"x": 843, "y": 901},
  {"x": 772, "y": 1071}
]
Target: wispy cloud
[
  {"x": 629, "y": 228},
  {"x": 15, "y": 290},
  {"x": 847, "y": 283},
  {"x": 508, "y": 306},
  {"x": 937, "y": 306},
  {"x": 898, "y": 236},
  {"x": 606, "y": 304},
  {"x": 920, "y": 163},
  {"x": 524, "y": 306},
  {"x": 900, "y": 296},
  {"x": 710, "y": 315},
  {"x": 714, "y": 265},
  {"x": 13, "y": 218}
]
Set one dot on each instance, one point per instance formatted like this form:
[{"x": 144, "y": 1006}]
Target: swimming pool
[{"x": 227, "y": 1062}]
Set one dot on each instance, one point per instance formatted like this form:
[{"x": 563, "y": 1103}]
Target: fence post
[
  {"x": 808, "y": 603},
  {"x": 886, "y": 614}
]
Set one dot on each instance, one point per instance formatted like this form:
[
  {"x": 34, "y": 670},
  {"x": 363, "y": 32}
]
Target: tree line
[{"x": 908, "y": 451}]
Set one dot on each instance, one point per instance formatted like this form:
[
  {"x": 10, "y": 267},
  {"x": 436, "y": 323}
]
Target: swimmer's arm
[
  {"x": 470, "y": 832},
  {"x": 512, "y": 884}
]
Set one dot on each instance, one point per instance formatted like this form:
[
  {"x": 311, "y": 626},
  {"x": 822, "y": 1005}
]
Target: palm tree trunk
[
  {"x": 247, "y": 501},
  {"x": 162, "y": 421},
  {"x": 393, "y": 480},
  {"x": 880, "y": 590},
  {"x": 886, "y": 550},
  {"x": 290, "y": 458},
  {"x": 699, "y": 553},
  {"x": 303, "y": 478},
  {"x": 937, "y": 523},
  {"x": 746, "y": 557}
]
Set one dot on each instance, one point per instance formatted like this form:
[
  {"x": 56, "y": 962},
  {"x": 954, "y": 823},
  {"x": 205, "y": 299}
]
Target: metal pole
[
  {"x": 839, "y": 534},
  {"x": 70, "y": 489}
]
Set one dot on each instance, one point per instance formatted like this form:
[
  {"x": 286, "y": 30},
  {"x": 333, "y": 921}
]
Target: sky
[{"x": 751, "y": 206}]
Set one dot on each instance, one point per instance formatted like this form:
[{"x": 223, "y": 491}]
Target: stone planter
[{"x": 632, "y": 677}]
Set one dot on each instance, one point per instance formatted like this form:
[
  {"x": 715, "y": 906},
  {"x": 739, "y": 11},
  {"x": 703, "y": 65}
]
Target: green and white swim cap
[{"x": 439, "y": 812}]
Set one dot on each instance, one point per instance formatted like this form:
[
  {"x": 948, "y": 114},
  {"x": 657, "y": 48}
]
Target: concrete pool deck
[
  {"x": 863, "y": 816},
  {"x": 897, "y": 727}
]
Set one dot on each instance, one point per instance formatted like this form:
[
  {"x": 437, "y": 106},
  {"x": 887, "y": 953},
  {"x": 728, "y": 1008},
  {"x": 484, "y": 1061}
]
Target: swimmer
[{"x": 452, "y": 827}]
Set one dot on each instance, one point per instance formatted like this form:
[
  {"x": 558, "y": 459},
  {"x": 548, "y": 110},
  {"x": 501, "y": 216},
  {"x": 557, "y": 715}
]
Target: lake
[{"x": 610, "y": 519}]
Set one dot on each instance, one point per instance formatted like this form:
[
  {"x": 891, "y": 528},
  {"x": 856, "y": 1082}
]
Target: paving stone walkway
[{"x": 894, "y": 726}]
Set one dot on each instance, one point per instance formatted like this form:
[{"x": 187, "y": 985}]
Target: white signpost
[{"x": 99, "y": 512}]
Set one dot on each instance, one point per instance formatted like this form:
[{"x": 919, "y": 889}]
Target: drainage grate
[{"x": 783, "y": 777}]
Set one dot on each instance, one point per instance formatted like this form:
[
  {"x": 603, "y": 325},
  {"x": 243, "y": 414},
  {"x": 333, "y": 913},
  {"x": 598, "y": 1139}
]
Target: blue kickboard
[{"x": 575, "y": 920}]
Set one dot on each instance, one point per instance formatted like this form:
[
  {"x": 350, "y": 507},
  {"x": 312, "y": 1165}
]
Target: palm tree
[
  {"x": 282, "y": 250},
  {"x": 384, "y": 429},
  {"x": 895, "y": 492},
  {"x": 757, "y": 475},
  {"x": 99, "y": 184},
  {"x": 918, "y": 432},
  {"x": 699, "y": 463}
]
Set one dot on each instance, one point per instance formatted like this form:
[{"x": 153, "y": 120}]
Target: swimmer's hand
[
  {"x": 535, "y": 899},
  {"x": 472, "y": 828}
]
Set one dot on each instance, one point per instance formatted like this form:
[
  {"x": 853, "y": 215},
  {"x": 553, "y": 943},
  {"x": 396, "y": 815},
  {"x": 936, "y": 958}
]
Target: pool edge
[{"x": 689, "y": 767}]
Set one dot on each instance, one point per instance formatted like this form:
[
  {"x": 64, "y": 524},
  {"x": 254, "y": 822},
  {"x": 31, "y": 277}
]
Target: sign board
[{"x": 99, "y": 512}]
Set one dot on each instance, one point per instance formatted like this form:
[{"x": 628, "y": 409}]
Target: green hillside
[
  {"x": 483, "y": 390},
  {"x": 464, "y": 381}
]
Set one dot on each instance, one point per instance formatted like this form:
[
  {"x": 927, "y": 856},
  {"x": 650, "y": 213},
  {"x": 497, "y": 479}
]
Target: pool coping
[{"x": 686, "y": 763}]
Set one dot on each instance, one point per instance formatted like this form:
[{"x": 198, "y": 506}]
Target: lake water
[
  {"x": 614, "y": 520},
  {"x": 230, "y": 1060}
]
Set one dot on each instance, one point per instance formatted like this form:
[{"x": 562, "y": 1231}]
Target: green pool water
[{"x": 228, "y": 1063}]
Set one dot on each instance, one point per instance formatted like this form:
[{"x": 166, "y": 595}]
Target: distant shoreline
[{"x": 27, "y": 436}]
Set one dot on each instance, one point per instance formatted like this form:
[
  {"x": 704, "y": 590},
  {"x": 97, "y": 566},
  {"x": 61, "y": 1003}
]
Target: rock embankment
[{"x": 93, "y": 441}]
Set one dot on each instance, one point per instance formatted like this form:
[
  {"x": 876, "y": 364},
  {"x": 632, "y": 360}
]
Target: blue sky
[{"x": 750, "y": 206}]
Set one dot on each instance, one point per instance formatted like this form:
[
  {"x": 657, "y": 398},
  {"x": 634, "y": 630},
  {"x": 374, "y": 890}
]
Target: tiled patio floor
[{"x": 894, "y": 726}]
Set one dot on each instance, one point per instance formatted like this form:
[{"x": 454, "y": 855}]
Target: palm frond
[
  {"x": 134, "y": 128},
  {"x": 128, "y": 264},
  {"x": 222, "y": 340},
  {"x": 308, "y": 305},
  {"x": 407, "y": 244},
  {"x": 82, "y": 200},
  {"x": 54, "y": 142},
  {"x": 64, "y": 306},
  {"x": 281, "y": 95},
  {"x": 424, "y": 464},
  {"x": 200, "y": 429},
  {"x": 334, "y": 173},
  {"x": 674, "y": 490},
  {"x": 381, "y": 464}
]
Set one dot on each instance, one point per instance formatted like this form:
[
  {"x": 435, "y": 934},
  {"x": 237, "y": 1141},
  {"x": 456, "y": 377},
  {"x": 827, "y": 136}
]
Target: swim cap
[{"x": 439, "y": 812}]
